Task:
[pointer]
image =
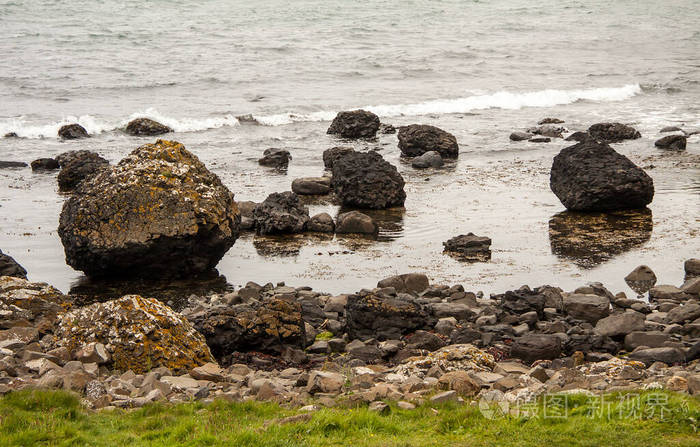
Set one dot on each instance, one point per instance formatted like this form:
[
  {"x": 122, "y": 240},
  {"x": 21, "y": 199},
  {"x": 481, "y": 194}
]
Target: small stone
[
  {"x": 311, "y": 185},
  {"x": 379, "y": 407},
  {"x": 402, "y": 404},
  {"x": 446, "y": 396},
  {"x": 356, "y": 222},
  {"x": 93, "y": 353}
]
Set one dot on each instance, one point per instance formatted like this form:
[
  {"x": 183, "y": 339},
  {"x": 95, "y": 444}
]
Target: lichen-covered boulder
[
  {"x": 72, "y": 132},
  {"x": 24, "y": 303},
  {"x": 384, "y": 318},
  {"x": 592, "y": 176},
  {"x": 139, "y": 334},
  {"x": 366, "y": 180},
  {"x": 10, "y": 267},
  {"x": 281, "y": 212},
  {"x": 159, "y": 212},
  {"x": 613, "y": 132},
  {"x": 77, "y": 166},
  {"x": 146, "y": 127},
  {"x": 417, "y": 139},
  {"x": 355, "y": 124},
  {"x": 458, "y": 357},
  {"x": 266, "y": 326}
]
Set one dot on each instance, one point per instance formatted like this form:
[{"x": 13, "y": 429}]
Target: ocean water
[{"x": 479, "y": 69}]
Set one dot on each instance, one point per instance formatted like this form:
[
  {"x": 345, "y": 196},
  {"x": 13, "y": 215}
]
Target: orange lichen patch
[{"x": 140, "y": 333}]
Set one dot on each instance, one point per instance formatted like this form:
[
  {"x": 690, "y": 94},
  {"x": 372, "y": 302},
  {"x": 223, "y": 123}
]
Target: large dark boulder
[
  {"x": 533, "y": 347},
  {"x": 72, "y": 132},
  {"x": 417, "y": 139},
  {"x": 384, "y": 318},
  {"x": 591, "y": 176},
  {"x": 159, "y": 212},
  {"x": 334, "y": 153},
  {"x": 586, "y": 307},
  {"x": 12, "y": 164},
  {"x": 674, "y": 142},
  {"x": 355, "y": 124},
  {"x": 281, "y": 212},
  {"x": 44, "y": 164},
  {"x": 275, "y": 158},
  {"x": 10, "y": 267},
  {"x": 265, "y": 326},
  {"x": 613, "y": 132},
  {"x": 77, "y": 166},
  {"x": 356, "y": 222},
  {"x": 366, "y": 180},
  {"x": 146, "y": 127}
]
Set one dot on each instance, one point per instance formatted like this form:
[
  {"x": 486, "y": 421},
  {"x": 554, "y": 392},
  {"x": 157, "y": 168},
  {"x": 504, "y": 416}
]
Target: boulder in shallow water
[
  {"x": 613, "y": 132},
  {"x": 578, "y": 136},
  {"x": 12, "y": 164},
  {"x": 417, "y": 139},
  {"x": 366, "y": 180},
  {"x": 674, "y": 142},
  {"x": 75, "y": 167},
  {"x": 334, "y": 153},
  {"x": 469, "y": 246},
  {"x": 540, "y": 139},
  {"x": 547, "y": 130},
  {"x": 45, "y": 164},
  {"x": 139, "y": 334},
  {"x": 72, "y": 132},
  {"x": 311, "y": 185},
  {"x": 10, "y": 267},
  {"x": 428, "y": 160},
  {"x": 11, "y": 135},
  {"x": 591, "y": 176},
  {"x": 321, "y": 223},
  {"x": 355, "y": 124},
  {"x": 356, "y": 222},
  {"x": 275, "y": 158},
  {"x": 520, "y": 136},
  {"x": 146, "y": 127},
  {"x": 281, "y": 212},
  {"x": 159, "y": 212},
  {"x": 550, "y": 121}
]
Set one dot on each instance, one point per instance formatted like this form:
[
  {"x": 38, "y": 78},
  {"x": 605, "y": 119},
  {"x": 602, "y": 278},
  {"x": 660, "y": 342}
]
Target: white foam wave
[{"x": 184, "y": 124}]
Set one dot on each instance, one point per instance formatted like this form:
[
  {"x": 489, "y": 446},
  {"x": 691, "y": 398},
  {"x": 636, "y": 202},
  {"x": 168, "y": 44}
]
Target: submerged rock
[
  {"x": 428, "y": 160},
  {"x": 591, "y": 176},
  {"x": 146, "y": 127},
  {"x": 469, "y": 246},
  {"x": 670, "y": 129},
  {"x": 334, "y": 153},
  {"x": 281, "y": 212},
  {"x": 45, "y": 164},
  {"x": 384, "y": 318},
  {"x": 366, "y": 180},
  {"x": 72, "y": 132},
  {"x": 674, "y": 142},
  {"x": 355, "y": 124},
  {"x": 10, "y": 267},
  {"x": 275, "y": 158},
  {"x": 139, "y": 334},
  {"x": 75, "y": 167},
  {"x": 247, "y": 208},
  {"x": 578, "y": 136},
  {"x": 520, "y": 136},
  {"x": 311, "y": 185},
  {"x": 417, "y": 139},
  {"x": 12, "y": 164},
  {"x": 321, "y": 223},
  {"x": 613, "y": 132},
  {"x": 550, "y": 121},
  {"x": 356, "y": 222},
  {"x": 159, "y": 212}
]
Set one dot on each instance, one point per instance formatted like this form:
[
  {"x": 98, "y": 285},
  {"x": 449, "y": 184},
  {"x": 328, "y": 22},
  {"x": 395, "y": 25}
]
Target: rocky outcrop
[
  {"x": 45, "y": 164},
  {"x": 356, "y": 222},
  {"x": 72, "y": 132},
  {"x": 10, "y": 267},
  {"x": 281, "y": 212},
  {"x": 28, "y": 304},
  {"x": 77, "y": 166},
  {"x": 275, "y": 158},
  {"x": 355, "y": 124},
  {"x": 146, "y": 127},
  {"x": 613, "y": 132},
  {"x": 384, "y": 317},
  {"x": 366, "y": 180},
  {"x": 309, "y": 186},
  {"x": 159, "y": 212},
  {"x": 334, "y": 153},
  {"x": 673, "y": 142},
  {"x": 417, "y": 139},
  {"x": 139, "y": 334},
  {"x": 591, "y": 176}
]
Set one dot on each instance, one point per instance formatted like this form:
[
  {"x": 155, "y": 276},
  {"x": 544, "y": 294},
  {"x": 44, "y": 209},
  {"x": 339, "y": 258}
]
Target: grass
[{"x": 34, "y": 418}]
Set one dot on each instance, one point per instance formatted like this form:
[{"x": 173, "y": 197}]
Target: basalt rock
[
  {"x": 674, "y": 142},
  {"x": 384, "y": 318},
  {"x": 146, "y": 127},
  {"x": 159, "y": 212},
  {"x": 72, "y": 132},
  {"x": 10, "y": 267},
  {"x": 356, "y": 222},
  {"x": 311, "y": 185},
  {"x": 591, "y": 176},
  {"x": 281, "y": 212},
  {"x": 78, "y": 166},
  {"x": 613, "y": 132},
  {"x": 355, "y": 124},
  {"x": 334, "y": 153},
  {"x": 417, "y": 139},
  {"x": 586, "y": 307},
  {"x": 12, "y": 164},
  {"x": 24, "y": 303},
  {"x": 275, "y": 158},
  {"x": 139, "y": 334},
  {"x": 45, "y": 164},
  {"x": 366, "y": 180}
]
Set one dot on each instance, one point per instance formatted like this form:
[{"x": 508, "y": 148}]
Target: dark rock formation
[
  {"x": 275, "y": 158},
  {"x": 12, "y": 164},
  {"x": 311, "y": 185},
  {"x": 428, "y": 160},
  {"x": 10, "y": 267},
  {"x": 586, "y": 307},
  {"x": 355, "y": 124},
  {"x": 533, "y": 347},
  {"x": 334, "y": 153},
  {"x": 366, "y": 180},
  {"x": 520, "y": 136},
  {"x": 578, "y": 136},
  {"x": 591, "y": 176},
  {"x": 159, "y": 212},
  {"x": 383, "y": 318},
  {"x": 146, "y": 127},
  {"x": 613, "y": 132},
  {"x": 547, "y": 130},
  {"x": 45, "y": 164},
  {"x": 356, "y": 222},
  {"x": 321, "y": 223},
  {"x": 417, "y": 139},
  {"x": 469, "y": 246},
  {"x": 30, "y": 305},
  {"x": 281, "y": 212},
  {"x": 72, "y": 132},
  {"x": 674, "y": 142},
  {"x": 75, "y": 167},
  {"x": 550, "y": 121}
]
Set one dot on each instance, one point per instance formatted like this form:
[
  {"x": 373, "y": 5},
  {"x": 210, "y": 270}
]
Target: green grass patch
[
  {"x": 325, "y": 335},
  {"x": 37, "y": 418}
]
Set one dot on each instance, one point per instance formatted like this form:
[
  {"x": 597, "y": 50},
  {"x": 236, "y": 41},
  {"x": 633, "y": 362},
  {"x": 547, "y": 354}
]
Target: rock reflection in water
[
  {"x": 589, "y": 239},
  {"x": 174, "y": 292},
  {"x": 390, "y": 222},
  {"x": 286, "y": 244}
]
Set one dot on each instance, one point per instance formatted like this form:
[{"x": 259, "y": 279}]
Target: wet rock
[
  {"x": 547, "y": 130},
  {"x": 72, "y": 132},
  {"x": 533, "y": 347},
  {"x": 446, "y": 396},
  {"x": 366, "y": 180},
  {"x": 247, "y": 209},
  {"x": 355, "y": 124},
  {"x": 578, "y": 136},
  {"x": 266, "y": 326},
  {"x": 281, "y": 212},
  {"x": 275, "y": 158},
  {"x": 10, "y": 267},
  {"x": 159, "y": 212},
  {"x": 670, "y": 129},
  {"x": 591, "y": 176},
  {"x": 371, "y": 316},
  {"x": 540, "y": 140},
  {"x": 24, "y": 303},
  {"x": 12, "y": 164},
  {"x": 620, "y": 324},
  {"x": 321, "y": 223},
  {"x": 146, "y": 127},
  {"x": 641, "y": 279},
  {"x": 311, "y": 185},
  {"x": 613, "y": 132},
  {"x": 469, "y": 246},
  {"x": 674, "y": 142},
  {"x": 692, "y": 267},
  {"x": 77, "y": 166},
  {"x": 356, "y": 222},
  {"x": 334, "y": 153},
  {"x": 520, "y": 136},
  {"x": 691, "y": 286},
  {"x": 667, "y": 355},
  {"x": 550, "y": 121},
  {"x": 45, "y": 164},
  {"x": 428, "y": 160},
  {"x": 424, "y": 340},
  {"x": 417, "y": 139},
  {"x": 379, "y": 407},
  {"x": 139, "y": 333},
  {"x": 459, "y": 381},
  {"x": 93, "y": 353},
  {"x": 406, "y": 283},
  {"x": 457, "y": 357},
  {"x": 11, "y": 135},
  {"x": 387, "y": 129},
  {"x": 586, "y": 307}
]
